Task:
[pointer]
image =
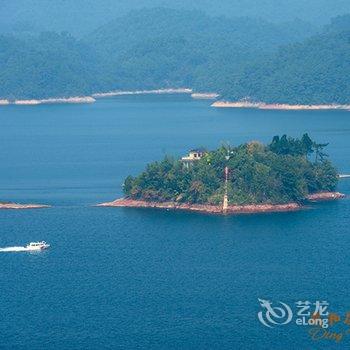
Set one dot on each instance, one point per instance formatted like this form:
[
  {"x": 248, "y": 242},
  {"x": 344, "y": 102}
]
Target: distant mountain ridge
[
  {"x": 175, "y": 48},
  {"x": 148, "y": 49},
  {"x": 239, "y": 58}
]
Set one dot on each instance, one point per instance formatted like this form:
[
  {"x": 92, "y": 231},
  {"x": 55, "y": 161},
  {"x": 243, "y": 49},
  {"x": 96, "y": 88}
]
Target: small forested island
[{"x": 252, "y": 177}]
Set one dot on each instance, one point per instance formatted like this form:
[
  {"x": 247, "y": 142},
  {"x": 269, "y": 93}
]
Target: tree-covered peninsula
[{"x": 287, "y": 170}]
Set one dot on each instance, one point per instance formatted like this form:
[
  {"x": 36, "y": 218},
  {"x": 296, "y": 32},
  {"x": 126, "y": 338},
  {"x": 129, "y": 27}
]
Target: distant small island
[
  {"x": 10, "y": 205},
  {"x": 250, "y": 178}
]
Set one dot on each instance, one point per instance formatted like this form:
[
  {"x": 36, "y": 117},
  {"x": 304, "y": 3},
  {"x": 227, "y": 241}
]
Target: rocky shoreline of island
[
  {"x": 276, "y": 106},
  {"x": 10, "y": 205},
  {"x": 324, "y": 196},
  {"x": 217, "y": 209}
]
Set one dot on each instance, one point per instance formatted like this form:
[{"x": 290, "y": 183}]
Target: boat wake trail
[
  {"x": 14, "y": 249},
  {"x": 31, "y": 247}
]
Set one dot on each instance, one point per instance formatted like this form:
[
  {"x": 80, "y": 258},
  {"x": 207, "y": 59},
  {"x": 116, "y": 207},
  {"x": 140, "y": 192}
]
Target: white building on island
[{"x": 193, "y": 156}]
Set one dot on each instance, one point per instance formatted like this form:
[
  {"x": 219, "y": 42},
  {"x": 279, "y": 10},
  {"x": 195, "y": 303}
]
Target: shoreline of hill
[
  {"x": 204, "y": 95},
  {"x": 143, "y": 92},
  {"x": 92, "y": 98},
  {"x": 18, "y": 206},
  {"x": 168, "y": 91},
  {"x": 277, "y": 106},
  {"x": 59, "y": 100},
  {"x": 217, "y": 209}
]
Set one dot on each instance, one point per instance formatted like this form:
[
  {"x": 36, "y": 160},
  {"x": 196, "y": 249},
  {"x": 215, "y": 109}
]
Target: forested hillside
[
  {"x": 239, "y": 58},
  {"x": 312, "y": 72},
  {"x": 48, "y": 65},
  {"x": 171, "y": 48},
  {"x": 145, "y": 49}
]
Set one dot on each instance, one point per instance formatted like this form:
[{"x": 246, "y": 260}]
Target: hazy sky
[{"x": 82, "y": 16}]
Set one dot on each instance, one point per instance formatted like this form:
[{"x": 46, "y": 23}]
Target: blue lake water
[{"x": 120, "y": 278}]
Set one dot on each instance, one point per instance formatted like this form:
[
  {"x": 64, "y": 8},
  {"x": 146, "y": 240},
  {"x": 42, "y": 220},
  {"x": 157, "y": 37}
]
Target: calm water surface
[{"x": 146, "y": 279}]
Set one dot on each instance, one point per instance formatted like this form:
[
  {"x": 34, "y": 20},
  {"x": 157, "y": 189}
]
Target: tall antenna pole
[{"x": 225, "y": 202}]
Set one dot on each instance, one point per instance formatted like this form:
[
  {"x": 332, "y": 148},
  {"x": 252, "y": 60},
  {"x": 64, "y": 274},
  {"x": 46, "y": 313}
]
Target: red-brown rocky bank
[{"x": 216, "y": 209}]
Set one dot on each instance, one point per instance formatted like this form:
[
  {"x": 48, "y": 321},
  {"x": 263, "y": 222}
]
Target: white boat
[{"x": 37, "y": 246}]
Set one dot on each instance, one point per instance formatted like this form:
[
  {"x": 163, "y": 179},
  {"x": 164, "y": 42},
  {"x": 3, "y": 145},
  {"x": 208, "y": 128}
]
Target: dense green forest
[
  {"x": 172, "y": 48},
  {"x": 312, "y": 72},
  {"x": 286, "y": 170},
  {"x": 146, "y": 49},
  {"x": 240, "y": 58},
  {"x": 46, "y": 65}
]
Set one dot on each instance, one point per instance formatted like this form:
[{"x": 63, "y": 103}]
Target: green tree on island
[{"x": 283, "y": 171}]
